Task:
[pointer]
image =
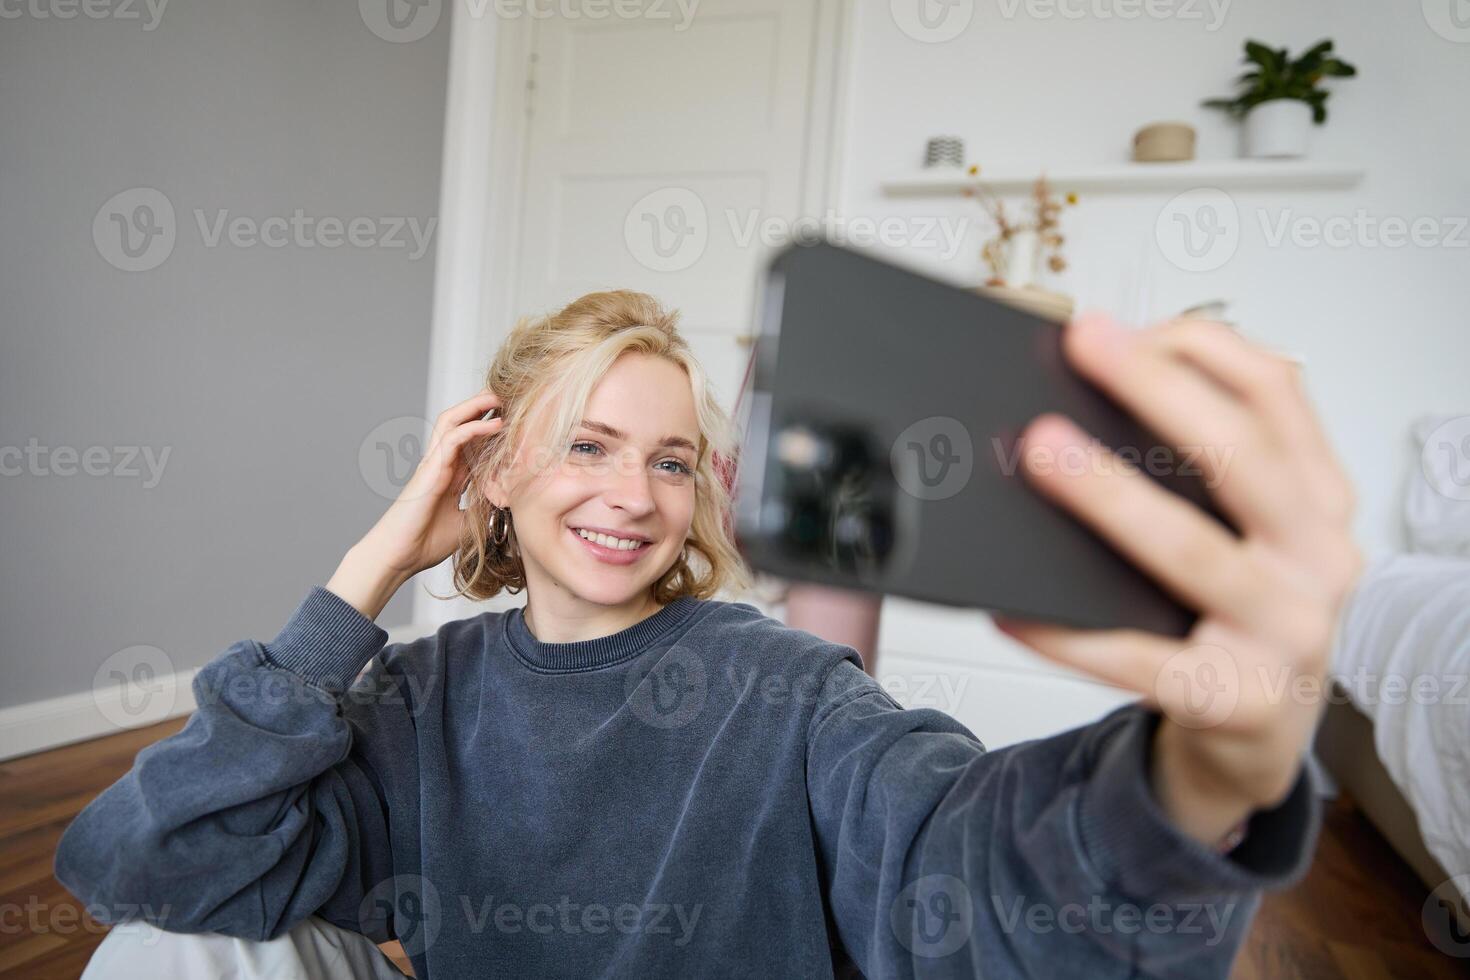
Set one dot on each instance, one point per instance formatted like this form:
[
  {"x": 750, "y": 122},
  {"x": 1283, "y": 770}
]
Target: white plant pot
[{"x": 1279, "y": 128}]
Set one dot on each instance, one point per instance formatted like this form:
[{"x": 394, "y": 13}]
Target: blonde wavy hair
[{"x": 546, "y": 370}]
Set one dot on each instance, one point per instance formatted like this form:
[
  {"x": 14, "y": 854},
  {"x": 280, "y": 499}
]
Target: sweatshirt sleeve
[
  {"x": 1049, "y": 858},
  {"x": 258, "y": 813}
]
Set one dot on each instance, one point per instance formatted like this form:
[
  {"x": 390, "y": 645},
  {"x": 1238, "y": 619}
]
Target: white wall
[{"x": 1383, "y": 330}]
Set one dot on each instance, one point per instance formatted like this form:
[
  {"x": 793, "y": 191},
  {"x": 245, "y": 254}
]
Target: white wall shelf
[{"x": 1134, "y": 177}]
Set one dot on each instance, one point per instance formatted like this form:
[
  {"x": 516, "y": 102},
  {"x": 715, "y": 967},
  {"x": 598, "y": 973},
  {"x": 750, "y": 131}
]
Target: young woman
[{"x": 630, "y": 777}]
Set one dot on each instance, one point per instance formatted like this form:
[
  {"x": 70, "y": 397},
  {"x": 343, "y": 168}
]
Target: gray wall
[{"x": 260, "y": 370}]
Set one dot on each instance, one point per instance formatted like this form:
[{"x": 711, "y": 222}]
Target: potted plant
[
  {"x": 1020, "y": 246},
  {"x": 1280, "y": 97}
]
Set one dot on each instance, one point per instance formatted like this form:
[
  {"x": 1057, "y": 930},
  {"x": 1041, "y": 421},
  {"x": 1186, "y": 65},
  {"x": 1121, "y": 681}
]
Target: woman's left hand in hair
[{"x": 1242, "y": 694}]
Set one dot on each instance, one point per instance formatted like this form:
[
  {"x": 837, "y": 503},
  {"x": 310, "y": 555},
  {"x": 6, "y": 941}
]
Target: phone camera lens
[{"x": 837, "y": 511}]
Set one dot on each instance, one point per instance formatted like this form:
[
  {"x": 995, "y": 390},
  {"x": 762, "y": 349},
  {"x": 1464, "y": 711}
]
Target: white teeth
[{"x": 621, "y": 544}]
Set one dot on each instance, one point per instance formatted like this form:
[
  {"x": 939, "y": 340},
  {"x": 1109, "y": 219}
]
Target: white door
[{"x": 655, "y": 148}]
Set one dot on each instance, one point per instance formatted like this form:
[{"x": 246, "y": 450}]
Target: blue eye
[{"x": 680, "y": 466}]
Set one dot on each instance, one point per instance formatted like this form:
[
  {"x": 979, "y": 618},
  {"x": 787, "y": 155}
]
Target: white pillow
[{"x": 1437, "y": 502}]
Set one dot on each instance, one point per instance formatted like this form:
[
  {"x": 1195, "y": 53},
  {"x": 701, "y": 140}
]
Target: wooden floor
[{"x": 1356, "y": 915}]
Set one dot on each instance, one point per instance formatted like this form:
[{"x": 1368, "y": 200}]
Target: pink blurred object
[{"x": 838, "y": 615}]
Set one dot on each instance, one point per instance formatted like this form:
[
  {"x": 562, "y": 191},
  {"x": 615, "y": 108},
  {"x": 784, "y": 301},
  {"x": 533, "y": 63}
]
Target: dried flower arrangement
[{"x": 1045, "y": 223}]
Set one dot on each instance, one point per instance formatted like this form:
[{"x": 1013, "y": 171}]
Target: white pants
[{"x": 312, "y": 949}]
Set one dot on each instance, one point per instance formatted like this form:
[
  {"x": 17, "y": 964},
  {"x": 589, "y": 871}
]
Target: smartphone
[{"x": 881, "y": 418}]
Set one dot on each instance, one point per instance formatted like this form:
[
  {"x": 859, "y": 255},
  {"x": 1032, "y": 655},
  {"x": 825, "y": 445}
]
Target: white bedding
[{"x": 1403, "y": 653}]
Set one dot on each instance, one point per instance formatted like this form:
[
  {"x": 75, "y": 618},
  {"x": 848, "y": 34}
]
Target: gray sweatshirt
[{"x": 708, "y": 792}]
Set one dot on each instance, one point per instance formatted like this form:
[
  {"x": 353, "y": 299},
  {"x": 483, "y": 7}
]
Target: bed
[{"x": 1396, "y": 734}]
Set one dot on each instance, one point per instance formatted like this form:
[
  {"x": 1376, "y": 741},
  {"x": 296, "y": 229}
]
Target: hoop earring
[{"x": 499, "y": 537}]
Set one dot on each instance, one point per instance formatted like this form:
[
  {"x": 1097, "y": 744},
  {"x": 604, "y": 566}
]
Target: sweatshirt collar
[{"x": 600, "y": 651}]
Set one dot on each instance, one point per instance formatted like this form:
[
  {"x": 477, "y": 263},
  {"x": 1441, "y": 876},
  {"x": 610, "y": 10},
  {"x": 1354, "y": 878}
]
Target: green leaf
[
  {"x": 1260, "y": 54},
  {"x": 1275, "y": 75},
  {"x": 1316, "y": 52}
]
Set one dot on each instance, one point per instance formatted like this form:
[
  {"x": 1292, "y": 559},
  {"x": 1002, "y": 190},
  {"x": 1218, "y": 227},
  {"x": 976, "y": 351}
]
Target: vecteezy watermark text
[
  {"x": 573, "y": 918},
  {"x": 90, "y": 9},
  {"x": 1100, "y": 916},
  {"x": 1201, "y": 230},
  {"x": 309, "y": 231},
  {"x": 1211, "y": 13},
  {"x": 135, "y": 230},
  {"x": 37, "y": 917},
  {"x": 1205, "y": 462},
  {"x": 402, "y": 21},
  {"x": 669, "y": 229},
  {"x": 34, "y": 459}
]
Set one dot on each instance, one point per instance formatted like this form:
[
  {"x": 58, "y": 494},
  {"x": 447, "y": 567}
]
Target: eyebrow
[{"x": 668, "y": 442}]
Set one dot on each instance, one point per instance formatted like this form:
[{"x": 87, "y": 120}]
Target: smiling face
[{"x": 630, "y": 473}]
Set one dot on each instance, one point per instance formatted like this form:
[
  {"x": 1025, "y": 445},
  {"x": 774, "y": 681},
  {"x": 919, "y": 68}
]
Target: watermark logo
[
  {"x": 933, "y": 916},
  {"x": 672, "y": 693},
  {"x": 773, "y": 688},
  {"x": 1205, "y": 463},
  {"x": 1211, "y": 13},
  {"x": 1199, "y": 230},
  {"x": 933, "y": 458},
  {"x": 673, "y": 920},
  {"x": 303, "y": 230},
  {"x": 667, "y": 230},
  {"x": 932, "y": 21},
  {"x": 388, "y": 455},
  {"x": 135, "y": 229},
  {"x": 134, "y": 685},
  {"x": 1367, "y": 688},
  {"x": 1445, "y": 458},
  {"x": 1446, "y": 916},
  {"x": 400, "y": 21},
  {"x": 679, "y": 12},
  {"x": 944, "y": 235},
  {"x": 925, "y": 690},
  {"x": 38, "y": 917},
  {"x": 1363, "y": 229},
  {"x": 1101, "y": 917},
  {"x": 34, "y": 459},
  {"x": 1199, "y": 686},
  {"x": 91, "y": 9},
  {"x": 410, "y": 904},
  {"x": 1450, "y": 19}
]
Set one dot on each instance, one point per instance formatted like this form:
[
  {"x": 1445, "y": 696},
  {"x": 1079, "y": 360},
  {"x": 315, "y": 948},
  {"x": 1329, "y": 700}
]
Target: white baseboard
[{"x": 106, "y": 710}]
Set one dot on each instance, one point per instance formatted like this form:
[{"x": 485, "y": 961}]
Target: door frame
[{"x": 475, "y": 265}]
